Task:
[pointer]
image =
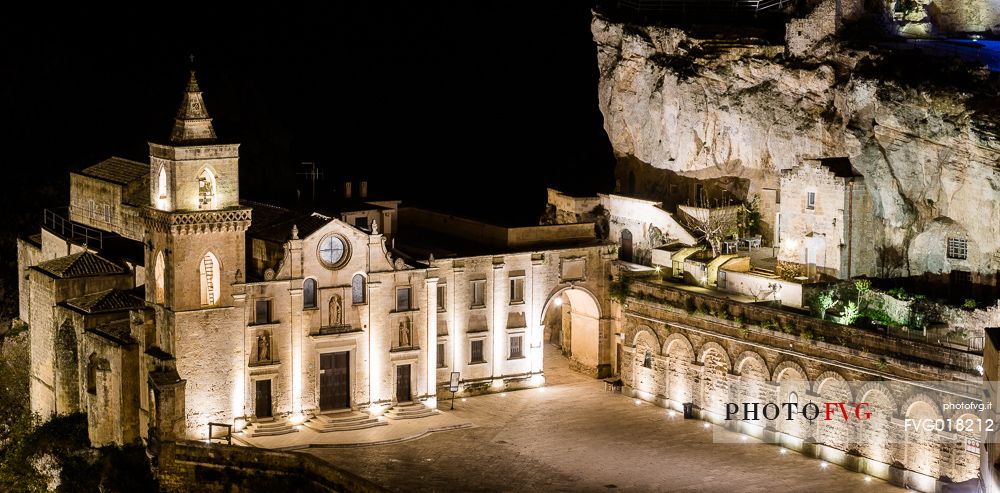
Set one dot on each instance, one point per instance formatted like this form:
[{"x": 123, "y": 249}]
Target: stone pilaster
[{"x": 431, "y": 344}]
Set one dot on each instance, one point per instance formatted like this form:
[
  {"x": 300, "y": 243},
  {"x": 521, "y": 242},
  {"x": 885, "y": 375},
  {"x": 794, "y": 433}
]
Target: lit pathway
[{"x": 573, "y": 436}]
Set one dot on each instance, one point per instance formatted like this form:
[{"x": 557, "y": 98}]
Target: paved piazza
[{"x": 574, "y": 436}]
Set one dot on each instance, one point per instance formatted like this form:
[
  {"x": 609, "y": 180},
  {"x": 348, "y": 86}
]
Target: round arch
[
  {"x": 565, "y": 290},
  {"x": 714, "y": 346},
  {"x": 751, "y": 357},
  {"x": 677, "y": 339},
  {"x": 576, "y": 325},
  {"x": 648, "y": 337}
]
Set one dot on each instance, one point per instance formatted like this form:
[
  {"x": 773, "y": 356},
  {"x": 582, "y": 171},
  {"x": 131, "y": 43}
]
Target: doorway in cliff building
[{"x": 626, "y": 248}]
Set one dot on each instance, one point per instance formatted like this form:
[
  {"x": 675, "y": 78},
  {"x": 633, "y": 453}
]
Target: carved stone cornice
[{"x": 195, "y": 222}]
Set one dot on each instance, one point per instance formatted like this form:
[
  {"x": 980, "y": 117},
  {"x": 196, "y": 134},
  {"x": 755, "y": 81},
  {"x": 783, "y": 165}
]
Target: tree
[
  {"x": 823, "y": 302},
  {"x": 712, "y": 225}
]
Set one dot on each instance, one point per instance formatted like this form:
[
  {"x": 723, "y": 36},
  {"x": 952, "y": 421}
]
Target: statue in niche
[
  {"x": 336, "y": 312},
  {"x": 263, "y": 347},
  {"x": 404, "y": 334}
]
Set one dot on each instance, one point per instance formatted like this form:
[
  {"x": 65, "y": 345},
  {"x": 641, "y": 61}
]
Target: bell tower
[{"x": 195, "y": 255}]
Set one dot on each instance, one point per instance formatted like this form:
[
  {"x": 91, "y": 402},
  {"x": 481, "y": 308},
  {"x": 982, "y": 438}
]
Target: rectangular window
[
  {"x": 478, "y": 293},
  {"x": 440, "y": 356},
  {"x": 958, "y": 248},
  {"x": 811, "y": 200},
  {"x": 477, "y": 352},
  {"x": 361, "y": 222},
  {"x": 107, "y": 213},
  {"x": 516, "y": 289},
  {"x": 961, "y": 277},
  {"x": 442, "y": 297},
  {"x": 402, "y": 299},
  {"x": 515, "y": 347},
  {"x": 262, "y": 314}
]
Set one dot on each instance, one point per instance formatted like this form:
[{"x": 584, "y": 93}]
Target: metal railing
[{"x": 75, "y": 232}]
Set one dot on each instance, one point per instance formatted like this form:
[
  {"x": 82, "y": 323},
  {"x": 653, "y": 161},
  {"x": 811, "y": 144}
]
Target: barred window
[
  {"x": 477, "y": 352},
  {"x": 958, "y": 248},
  {"x": 647, "y": 360},
  {"x": 515, "y": 347},
  {"x": 811, "y": 200}
]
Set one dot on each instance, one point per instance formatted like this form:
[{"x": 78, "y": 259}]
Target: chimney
[
  {"x": 363, "y": 188},
  {"x": 347, "y": 189}
]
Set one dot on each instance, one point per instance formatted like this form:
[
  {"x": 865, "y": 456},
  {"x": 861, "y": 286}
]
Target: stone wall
[
  {"x": 910, "y": 359},
  {"x": 217, "y": 468},
  {"x": 709, "y": 361}
]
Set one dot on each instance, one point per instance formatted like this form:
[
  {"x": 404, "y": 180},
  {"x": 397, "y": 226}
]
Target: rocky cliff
[{"x": 922, "y": 131}]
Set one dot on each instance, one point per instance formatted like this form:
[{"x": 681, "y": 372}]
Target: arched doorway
[
  {"x": 571, "y": 321},
  {"x": 626, "y": 249}
]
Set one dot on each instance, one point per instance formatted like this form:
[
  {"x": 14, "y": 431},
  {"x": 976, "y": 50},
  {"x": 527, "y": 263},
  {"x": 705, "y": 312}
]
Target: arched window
[
  {"x": 358, "y": 289},
  {"x": 647, "y": 360},
  {"x": 158, "y": 280},
  {"x": 206, "y": 190},
  {"x": 309, "y": 293},
  {"x": 92, "y": 373},
  {"x": 793, "y": 398},
  {"x": 161, "y": 184},
  {"x": 209, "y": 270}
]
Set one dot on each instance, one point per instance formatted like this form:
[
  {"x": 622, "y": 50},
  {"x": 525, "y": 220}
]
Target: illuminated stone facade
[{"x": 162, "y": 302}]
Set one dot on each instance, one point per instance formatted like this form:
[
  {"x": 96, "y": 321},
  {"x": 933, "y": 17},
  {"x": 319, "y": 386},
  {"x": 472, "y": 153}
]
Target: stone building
[
  {"x": 638, "y": 226},
  {"x": 162, "y": 301},
  {"x": 826, "y": 220}
]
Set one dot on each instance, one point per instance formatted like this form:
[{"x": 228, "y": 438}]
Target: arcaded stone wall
[{"x": 709, "y": 361}]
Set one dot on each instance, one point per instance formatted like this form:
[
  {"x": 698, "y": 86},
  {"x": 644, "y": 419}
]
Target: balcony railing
[{"x": 75, "y": 232}]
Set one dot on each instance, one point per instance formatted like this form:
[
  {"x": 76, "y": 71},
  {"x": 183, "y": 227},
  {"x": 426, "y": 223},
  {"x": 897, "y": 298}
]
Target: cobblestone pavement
[{"x": 574, "y": 436}]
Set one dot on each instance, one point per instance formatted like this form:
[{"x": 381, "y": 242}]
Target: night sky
[{"x": 470, "y": 107}]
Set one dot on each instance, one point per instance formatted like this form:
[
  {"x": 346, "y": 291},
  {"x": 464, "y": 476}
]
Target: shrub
[
  {"x": 618, "y": 290},
  {"x": 744, "y": 332},
  {"x": 823, "y": 302},
  {"x": 850, "y": 314},
  {"x": 806, "y": 335},
  {"x": 738, "y": 319},
  {"x": 883, "y": 364},
  {"x": 787, "y": 327},
  {"x": 969, "y": 304},
  {"x": 769, "y": 325}
]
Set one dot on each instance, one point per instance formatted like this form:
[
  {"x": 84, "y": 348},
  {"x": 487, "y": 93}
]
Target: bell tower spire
[{"x": 192, "y": 125}]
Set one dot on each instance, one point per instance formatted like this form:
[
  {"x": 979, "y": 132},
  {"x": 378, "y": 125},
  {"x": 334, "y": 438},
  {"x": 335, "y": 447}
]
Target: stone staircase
[
  {"x": 343, "y": 421},
  {"x": 409, "y": 410},
  {"x": 269, "y": 427}
]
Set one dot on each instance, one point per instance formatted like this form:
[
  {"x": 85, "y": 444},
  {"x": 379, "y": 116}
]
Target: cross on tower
[{"x": 313, "y": 174}]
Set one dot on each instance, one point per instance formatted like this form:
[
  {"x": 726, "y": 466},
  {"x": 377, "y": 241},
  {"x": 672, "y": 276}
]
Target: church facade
[{"x": 160, "y": 301}]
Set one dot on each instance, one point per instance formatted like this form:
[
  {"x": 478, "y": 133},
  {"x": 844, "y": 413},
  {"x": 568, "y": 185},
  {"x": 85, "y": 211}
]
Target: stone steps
[
  {"x": 343, "y": 421},
  {"x": 410, "y": 410},
  {"x": 269, "y": 428}
]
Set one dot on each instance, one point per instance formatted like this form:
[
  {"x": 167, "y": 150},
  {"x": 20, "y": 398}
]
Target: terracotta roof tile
[{"x": 80, "y": 264}]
